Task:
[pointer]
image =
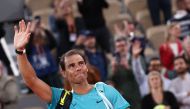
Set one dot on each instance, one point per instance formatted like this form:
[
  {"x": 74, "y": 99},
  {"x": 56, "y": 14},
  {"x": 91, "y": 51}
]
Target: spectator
[
  {"x": 155, "y": 6},
  {"x": 183, "y": 18},
  {"x": 128, "y": 28},
  {"x": 95, "y": 57},
  {"x": 157, "y": 97},
  {"x": 180, "y": 85},
  {"x": 138, "y": 61},
  {"x": 92, "y": 12},
  {"x": 65, "y": 26},
  {"x": 155, "y": 65},
  {"x": 172, "y": 47},
  {"x": 9, "y": 91},
  {"x": 186, "y": 45},
  {"x": 123, "y": 78},
  {"x": 40, "y": 56},
  {"x": 187, "y": 4}
]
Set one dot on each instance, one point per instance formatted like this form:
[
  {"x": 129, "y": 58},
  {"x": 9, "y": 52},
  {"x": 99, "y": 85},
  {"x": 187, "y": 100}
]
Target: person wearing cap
[
  {"x": 92, "y": 13},
  {"x": 95, "y": 56}
]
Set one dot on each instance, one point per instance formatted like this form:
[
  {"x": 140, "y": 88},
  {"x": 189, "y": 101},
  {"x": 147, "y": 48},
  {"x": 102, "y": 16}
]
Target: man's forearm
[{"x": 26, "y": 69}]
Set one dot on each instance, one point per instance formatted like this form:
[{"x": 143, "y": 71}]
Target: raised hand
[
  {"x": 136, "y": 50},
  {"x": 22, "y": 35}
]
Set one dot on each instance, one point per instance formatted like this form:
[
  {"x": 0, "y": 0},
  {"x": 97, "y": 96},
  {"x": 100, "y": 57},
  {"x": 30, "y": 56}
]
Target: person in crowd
[
  {"x": 183, "y": 18},
  {"x": 186, "y": 46},
  {"x": 128, "y": 28},
  {"x": 96, "y": 57},
  {"x": 180, "y": 85},
  {"x": 74, "y": 68},
  {"x": 92, "y": 13},
  {"x": 65, "y": 25},
  {"x": 9, "y": 91},
  {"x": 155, "y": 65},
  {"x": 172, "y": 47},
  {"x": 187, "y": 4},
  {"x": 138, "y": 61},
  {"x": 39, "y": 54},
  {"x": 155, "y": 6},
  {"x": 123, "y": 78},
  {"x": 158, "y": 98}
]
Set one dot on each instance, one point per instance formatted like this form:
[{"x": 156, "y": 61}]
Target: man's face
[
  {"x": 75, "y": 69},
  {"x": 90, "y": 42},
  {"x": 180, "y": 66},
  {"x": 187, "y": 2},
  {"x": 155, "y": 65},
  {"x": 121, "y": 46}
]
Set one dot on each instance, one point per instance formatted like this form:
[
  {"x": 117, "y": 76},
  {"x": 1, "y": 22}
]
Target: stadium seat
[
  {"x": 143, "y": 17},
  {"x": 134, "y": 6},
  {"x": 36, "y": 5},
  {"x": 156, "y": 35}
]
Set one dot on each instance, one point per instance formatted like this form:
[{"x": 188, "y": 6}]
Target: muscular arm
[
  {"x": 21, "y": 38},
  {"x": 32, "y": 81}
]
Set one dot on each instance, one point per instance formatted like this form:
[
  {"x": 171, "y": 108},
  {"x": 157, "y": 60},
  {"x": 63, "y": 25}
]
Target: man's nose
[{"x": 78, "y": 68}]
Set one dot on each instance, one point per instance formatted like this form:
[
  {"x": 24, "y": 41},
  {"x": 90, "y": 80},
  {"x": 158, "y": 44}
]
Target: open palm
[{"x": 22, "y": 35}]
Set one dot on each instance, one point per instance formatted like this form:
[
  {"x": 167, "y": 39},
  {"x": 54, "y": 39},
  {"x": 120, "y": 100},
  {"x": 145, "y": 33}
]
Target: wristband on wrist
[{"x": 20, "y": 52}]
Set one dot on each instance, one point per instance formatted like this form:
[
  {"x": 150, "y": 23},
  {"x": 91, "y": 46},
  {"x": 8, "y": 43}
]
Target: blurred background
[{"x": 125, "y": 41}]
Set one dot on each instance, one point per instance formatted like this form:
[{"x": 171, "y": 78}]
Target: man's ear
[{"x": 63, "y": 73}]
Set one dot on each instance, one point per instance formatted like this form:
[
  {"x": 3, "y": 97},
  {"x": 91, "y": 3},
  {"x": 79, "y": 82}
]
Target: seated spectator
[
  {"x": 9, "y": 91},
  {"x": 123, "y": 78},
  {"x": 128, "y": 28},
  {"x": 65, "y": 25},
  {"x": 182, "y": 17},
  {"x": 37, "y": 27},
  {"x": 187, "y": 4},
  {"x": 155, "y": 65},
  {"x": 157, "y": 98},
  {"x": 95, "y": 57},
  {"x": 41, "y": 58},
  {"x": 180, "y": 85},
  {"x": 172, "y": 47},
  {"x": 186, "y": 45}
]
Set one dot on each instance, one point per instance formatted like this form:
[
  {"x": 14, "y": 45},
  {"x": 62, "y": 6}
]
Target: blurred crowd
[{"x": 150, "y": 74}]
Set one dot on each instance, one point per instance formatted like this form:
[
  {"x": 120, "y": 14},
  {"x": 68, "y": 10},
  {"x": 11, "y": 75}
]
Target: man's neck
[
  {"x": 81, "y": 88},
  {"x": 182, "y": 76}
]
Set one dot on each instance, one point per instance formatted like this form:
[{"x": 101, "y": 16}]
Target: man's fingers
[
  {"x": 16, "y": 29},
  {"x": 27, "y": 37},
  {"x": 20, "y": 27},
  {"x": 28, "y": 27},
  {"x": 23, "y": 26}
]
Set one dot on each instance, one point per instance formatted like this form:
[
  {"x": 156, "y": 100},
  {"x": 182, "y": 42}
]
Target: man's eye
[
  {"x": 81, "y": 63},
  {"x": 71, "y": 65}
]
